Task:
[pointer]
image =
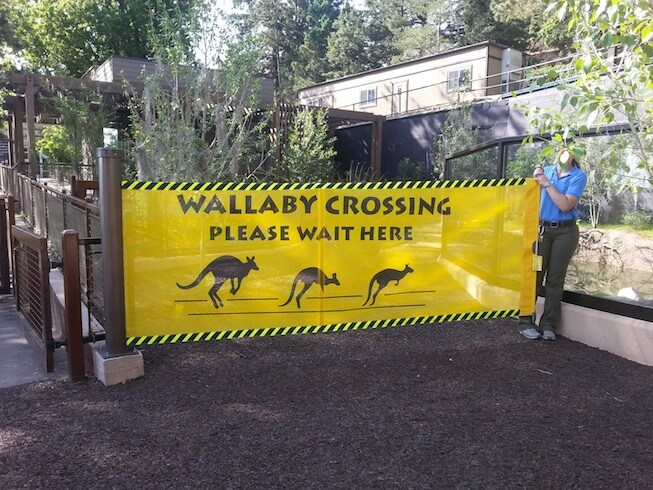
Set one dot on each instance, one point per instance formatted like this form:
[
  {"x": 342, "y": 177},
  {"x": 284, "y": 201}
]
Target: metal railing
[
  {"x": 53, "y": 217},
  {"x": 49, "y": 212},
  {"x": 32, "y": 283}
]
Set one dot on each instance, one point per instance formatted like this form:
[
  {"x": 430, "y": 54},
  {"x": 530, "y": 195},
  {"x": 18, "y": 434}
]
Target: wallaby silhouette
[
  {"x": 310, "y": 276},
  {"x": 382, "y": 278},
  {"x": 223, "y": 268}
]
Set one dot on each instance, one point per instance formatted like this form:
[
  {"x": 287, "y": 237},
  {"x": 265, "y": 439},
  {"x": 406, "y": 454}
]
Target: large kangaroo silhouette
[
  {"x": 223, "y": 268},
  {"x": 310, "y": 276},
  {"x": 382, "y": 278}
]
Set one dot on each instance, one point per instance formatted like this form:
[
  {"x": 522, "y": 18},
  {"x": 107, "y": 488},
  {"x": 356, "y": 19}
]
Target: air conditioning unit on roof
[{"x": 511, "y": 73}]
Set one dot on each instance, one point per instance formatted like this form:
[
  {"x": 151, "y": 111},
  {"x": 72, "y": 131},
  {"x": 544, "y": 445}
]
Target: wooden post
[
  {"x": 18, "y": 143},
  {"x": 72, "y": 305},
  {"x": 30, "y": 117},
  {"x": 12, "y": 137},
  {"x": 5, "y": 283}
]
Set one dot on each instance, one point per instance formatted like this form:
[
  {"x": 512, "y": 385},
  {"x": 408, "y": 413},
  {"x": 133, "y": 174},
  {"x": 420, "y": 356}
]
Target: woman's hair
[{"x": 574, "y": 162}]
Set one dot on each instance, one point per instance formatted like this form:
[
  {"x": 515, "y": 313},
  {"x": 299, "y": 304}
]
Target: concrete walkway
[{"x": 18, "y": 363}]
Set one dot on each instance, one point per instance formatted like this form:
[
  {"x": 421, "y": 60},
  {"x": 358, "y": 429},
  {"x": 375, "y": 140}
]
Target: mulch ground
[{"x": 465, "y": 405}]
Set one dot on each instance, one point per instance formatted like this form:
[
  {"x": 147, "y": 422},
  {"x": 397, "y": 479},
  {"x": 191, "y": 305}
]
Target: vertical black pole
[
  {"x": 112, "y": 256},
  {"x": 5, "y": 283}
]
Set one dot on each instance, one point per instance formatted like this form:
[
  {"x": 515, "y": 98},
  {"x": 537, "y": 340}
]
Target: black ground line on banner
[
  {"x": 190, "y": 301},
  {"x": 410, "y": 292},
  {"x": 279, "y": 312},
  {"x": 335, "y": 297},
  {"x": 251, "y": 299}
]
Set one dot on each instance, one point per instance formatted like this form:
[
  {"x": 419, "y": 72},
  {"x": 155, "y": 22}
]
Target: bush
[
  {"x": 637, "y": 219},
  {"x": 407, "y": 170}
]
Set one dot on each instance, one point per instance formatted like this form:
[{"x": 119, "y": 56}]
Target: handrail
[
  {"x": 594, "y": 131},
  {"x": 68, "y": 197}
]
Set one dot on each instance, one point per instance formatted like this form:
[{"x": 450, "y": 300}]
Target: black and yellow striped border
[
  {"x": 261, "y": 186},
  {"x": 310, "y": 329}
]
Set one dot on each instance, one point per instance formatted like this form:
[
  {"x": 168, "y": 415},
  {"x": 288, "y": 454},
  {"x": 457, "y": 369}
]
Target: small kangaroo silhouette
[
  {"x": 382, "y": 278},
  {"x": 223, "y": 268},
  {"x": 310, "y": 276}
]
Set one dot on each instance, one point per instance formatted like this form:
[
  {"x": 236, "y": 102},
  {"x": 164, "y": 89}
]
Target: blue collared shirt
[{"x": 573, "y": 184}]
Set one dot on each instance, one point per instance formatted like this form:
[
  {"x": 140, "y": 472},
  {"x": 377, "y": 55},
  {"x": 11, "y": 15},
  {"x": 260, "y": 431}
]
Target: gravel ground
[{"x": 464, "y": 405}]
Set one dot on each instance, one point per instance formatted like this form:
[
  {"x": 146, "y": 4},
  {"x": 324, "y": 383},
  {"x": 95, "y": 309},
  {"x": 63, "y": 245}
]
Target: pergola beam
[{"x": 20, "y": 81}]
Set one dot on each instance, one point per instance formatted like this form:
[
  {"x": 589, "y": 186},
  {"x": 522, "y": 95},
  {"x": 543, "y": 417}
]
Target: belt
[{"x": 558, "y": 224}]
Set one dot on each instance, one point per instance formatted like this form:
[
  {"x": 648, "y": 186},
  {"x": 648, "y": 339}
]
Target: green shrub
[
  {"x": 407, "y": 170},
  {"x": 637, "y": 219}
]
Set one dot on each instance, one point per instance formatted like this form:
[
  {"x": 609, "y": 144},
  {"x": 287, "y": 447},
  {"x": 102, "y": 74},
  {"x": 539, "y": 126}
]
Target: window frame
[
  {"x": 463, "y": 82},
  {"x": 368, "y": 102}
]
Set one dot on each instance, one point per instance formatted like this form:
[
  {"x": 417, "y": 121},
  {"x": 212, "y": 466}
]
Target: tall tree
[
  {"x": 348, "y": 46},
  {"x": 312, "y": 65},
  {"x": 275, "y": 23},
  {"x": 528, "y": 27},
  {"x": 66, "y": 37},
  {"x": 476, "y": 23},
  {"x": 295, "y": 34},
  {"x": 9, "y": 12},
  {"x": 415, "y": 27}
]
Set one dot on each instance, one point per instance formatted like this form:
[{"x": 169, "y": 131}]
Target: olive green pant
[{"x": 557, "y": 247}]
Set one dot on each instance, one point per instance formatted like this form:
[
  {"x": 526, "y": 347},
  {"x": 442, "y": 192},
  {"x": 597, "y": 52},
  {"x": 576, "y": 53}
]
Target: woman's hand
[{"x": 538, "y": 175}]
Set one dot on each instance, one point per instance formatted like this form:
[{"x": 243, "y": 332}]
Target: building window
[
  {"x": 459, "y": 79},
  {"x": 368, "y": 97},
  {"x": 318, "y": 102}
]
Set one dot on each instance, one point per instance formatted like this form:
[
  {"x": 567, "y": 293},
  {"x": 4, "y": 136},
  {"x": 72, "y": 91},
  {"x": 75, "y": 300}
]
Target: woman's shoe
[
  {"x": 530, "y": 333},
  {"x": 548, "y": 335}
]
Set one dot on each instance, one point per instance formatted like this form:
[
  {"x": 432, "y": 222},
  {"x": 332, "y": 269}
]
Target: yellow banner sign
[{"x": 215, "y": 257}]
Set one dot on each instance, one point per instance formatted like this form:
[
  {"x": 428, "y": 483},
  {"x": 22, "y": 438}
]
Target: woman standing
[{"x": 561, "y": 185}]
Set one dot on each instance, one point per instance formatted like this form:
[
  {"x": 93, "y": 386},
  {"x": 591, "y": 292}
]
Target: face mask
[{"x": 564, "y": 157}]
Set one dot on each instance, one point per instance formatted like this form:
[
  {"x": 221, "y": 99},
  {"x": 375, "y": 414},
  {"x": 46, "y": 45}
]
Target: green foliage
[
  {"x": 66, "y": 37},
  {"x": 309, "y": 41},
  {"x": 527, "y": 26},
  {"x": 294, "y": 36},
  {"x": 409, "y": 171},
  {"x": 457, "y": 134},
  {"x": 414, "y": 28},
  {"x": 9, "y": 15},
  {"x": 347, "y": 48},
  {"x": 608, "y": 88},
  {"x": 526, "y": 157},
  {"x": 312, "y": 65},
  {"x": 477, "y": 21},
  {"x": 56, "y": 144},
  {"x": 357, "y": 172},
  {"x": 638, "y": 220},
  {"x": 191, "y": 123},
  {"x": 309, "y": 153},
  {"x": 543, "y": 75},
  {"x": 78, "y": 136}
]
